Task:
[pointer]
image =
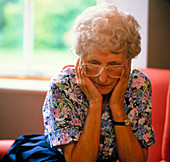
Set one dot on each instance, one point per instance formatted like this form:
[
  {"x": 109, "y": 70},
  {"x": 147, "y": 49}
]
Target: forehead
[{"x": 106, "y": 57}]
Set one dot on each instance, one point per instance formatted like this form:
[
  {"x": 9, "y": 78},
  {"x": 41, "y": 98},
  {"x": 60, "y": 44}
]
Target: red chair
[
  {"x": 166, "y": 137},
  {"x": 160, "y": 79},
  {"x": 5, "y": 146}
]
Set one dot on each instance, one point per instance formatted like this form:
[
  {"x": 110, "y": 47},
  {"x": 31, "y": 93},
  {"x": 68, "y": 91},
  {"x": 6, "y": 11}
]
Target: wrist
[
  {"x": 97, "y": 102},
  {"x": 126, "y": 123},
  {"x": 118, "y": 113},
  {"x": 95, "y": 106}
]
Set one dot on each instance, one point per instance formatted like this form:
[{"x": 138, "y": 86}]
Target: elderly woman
[{"x": 101, "y": 109}]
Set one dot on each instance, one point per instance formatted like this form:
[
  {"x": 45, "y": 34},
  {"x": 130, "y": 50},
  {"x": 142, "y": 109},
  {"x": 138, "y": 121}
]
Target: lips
[{"x": 102, "y": 86}]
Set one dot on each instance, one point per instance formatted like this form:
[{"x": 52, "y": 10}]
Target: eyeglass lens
[{"x": 93, "y": 70}]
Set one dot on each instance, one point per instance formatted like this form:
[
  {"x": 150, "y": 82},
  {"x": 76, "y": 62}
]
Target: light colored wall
[{"x": 139, "y": 9}]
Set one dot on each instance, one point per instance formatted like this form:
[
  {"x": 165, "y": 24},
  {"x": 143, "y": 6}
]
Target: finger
[
  {"x": 123, "y": 81},
  {"x": 128, "y": 65},
  {"x": 126, "y": 77},
  {"x": 76, "y": 67},
  {"x": 77, "y": 63},
  {"x": 81, "y": 62},
  {"x": 81, "y": 78},
  {"x": 124, "y": 70},
  {"x": 81, "y": 74},
  {"x": 127, "y": 68},
  {"x": 78, "y": 72}
]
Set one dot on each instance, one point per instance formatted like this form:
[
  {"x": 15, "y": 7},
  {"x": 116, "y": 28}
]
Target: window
[
  {"x": 36, "y": 35},
  {"x": 11, "y": 36}
]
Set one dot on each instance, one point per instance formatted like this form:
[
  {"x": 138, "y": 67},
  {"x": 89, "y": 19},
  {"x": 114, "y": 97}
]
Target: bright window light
[
  {"x": 11, "y": 36},
  {"x": 36, "y": 36}
]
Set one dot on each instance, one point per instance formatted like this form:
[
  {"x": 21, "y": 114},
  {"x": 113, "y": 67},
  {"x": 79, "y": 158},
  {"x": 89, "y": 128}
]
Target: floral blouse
[{"x": 65, "y": 109}]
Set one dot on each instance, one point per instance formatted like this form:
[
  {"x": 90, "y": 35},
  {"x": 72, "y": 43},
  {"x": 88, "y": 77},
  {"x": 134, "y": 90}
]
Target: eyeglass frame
[{"x": 102, "y": 68}]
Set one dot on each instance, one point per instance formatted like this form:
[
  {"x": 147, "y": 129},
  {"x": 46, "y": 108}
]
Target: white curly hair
[{"x": 105, "y": 28}]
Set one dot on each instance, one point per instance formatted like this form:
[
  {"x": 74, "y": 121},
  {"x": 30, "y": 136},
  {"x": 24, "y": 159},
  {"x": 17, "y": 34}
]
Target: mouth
[{"x": 102, "y": 86}]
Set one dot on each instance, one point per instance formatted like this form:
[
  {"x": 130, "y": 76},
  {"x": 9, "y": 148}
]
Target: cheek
[
  {"x": 110, "y": 81},
  {"x": 114, "y": 82}
]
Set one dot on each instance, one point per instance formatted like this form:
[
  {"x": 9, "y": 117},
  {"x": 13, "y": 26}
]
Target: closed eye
[{"x": 94, "y": 62}]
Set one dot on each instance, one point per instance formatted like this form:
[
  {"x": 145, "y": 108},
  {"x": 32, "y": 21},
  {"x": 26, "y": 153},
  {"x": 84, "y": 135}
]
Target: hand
[
  {"x": 118, "y": 95},
  {"x": 86, "y": 85}
]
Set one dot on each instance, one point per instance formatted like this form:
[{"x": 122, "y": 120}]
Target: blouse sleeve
[
  {"x": 61, "y": 120},
  {"x": 140, "y": 109}
]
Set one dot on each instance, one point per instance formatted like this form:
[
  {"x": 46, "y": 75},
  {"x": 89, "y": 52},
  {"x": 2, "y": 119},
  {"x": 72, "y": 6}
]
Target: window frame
[{"x": 28, "y": 33}]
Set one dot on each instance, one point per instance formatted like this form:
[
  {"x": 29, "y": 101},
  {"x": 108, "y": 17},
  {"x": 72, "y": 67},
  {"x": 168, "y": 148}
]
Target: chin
[{"x": 105, "y": 91}]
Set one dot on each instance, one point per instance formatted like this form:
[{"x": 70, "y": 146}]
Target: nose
[{"x": 103, "y": 77}]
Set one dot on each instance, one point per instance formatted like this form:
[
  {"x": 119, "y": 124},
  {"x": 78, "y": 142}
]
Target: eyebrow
[
  {"x": 109, "y": 63},
  {"x": 94, "y": 61},
  {"x": 114, "y": 63}
]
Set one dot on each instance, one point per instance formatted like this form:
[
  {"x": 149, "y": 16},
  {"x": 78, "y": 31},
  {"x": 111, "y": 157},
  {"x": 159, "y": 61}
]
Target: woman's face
[{"x": 103, "y": 82}]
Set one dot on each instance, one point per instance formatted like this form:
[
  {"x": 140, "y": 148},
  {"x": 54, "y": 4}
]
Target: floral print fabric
[{"x": 65, "y": 109}]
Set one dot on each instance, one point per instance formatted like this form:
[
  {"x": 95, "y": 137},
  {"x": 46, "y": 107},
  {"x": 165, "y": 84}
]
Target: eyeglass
[{"x": 113, "y": 71}]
